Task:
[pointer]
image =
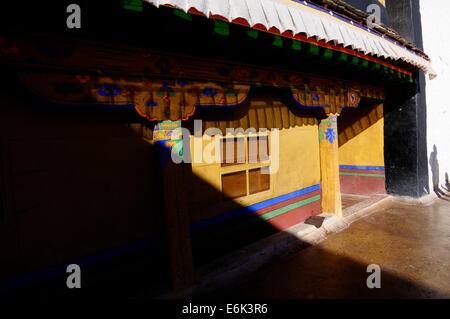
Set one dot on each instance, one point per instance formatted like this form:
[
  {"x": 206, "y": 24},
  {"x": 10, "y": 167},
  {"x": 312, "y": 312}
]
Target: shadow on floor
[
  {"x": 323, "y": 275},
  {"x": 408, "y": 242}
]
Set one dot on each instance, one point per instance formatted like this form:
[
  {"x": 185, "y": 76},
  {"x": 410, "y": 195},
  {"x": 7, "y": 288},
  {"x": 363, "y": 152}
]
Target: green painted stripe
[
  {"x": 255, "y": 220},
  {"x": 362, "y": 174},
  {"x": 365, "y": 64},
  {"x": 135, "y": 5},
  {"x": 313, "y": 49},
  {"x": 296, "y": 45},
  {"x": 182, "y": 15},
  {"x": 285, "y": 209},
  {"x": 277, "y": 41},
  {"x": 252, "y": 33},
  {"x": 343, "y": 57},
  {"x": 327, "y": 54},
  {"x": 376, "y": 66},
  {"x": 221, "y": 28}
]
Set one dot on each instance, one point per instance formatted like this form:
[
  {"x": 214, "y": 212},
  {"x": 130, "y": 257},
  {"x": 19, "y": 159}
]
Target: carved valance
[
  {"x": 161, "y": 86},
  {"x": 155, "y": 99},
  {"x": 334, "y": 96}
]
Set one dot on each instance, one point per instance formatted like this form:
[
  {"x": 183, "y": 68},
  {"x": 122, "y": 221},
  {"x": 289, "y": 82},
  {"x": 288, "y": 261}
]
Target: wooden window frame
[{"x": 239, "y": 167}]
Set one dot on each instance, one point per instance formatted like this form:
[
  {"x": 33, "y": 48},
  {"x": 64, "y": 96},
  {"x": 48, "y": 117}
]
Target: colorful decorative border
[
  {"x": 227, "y": 232},
  {"x": 379, "y": 168},
  {"x": 154, "y": 99},
  {"x": 258, "y": 207},
  {"x": 333, "y": 97},
  {"x": 328, "y": 129},
  {"x": 362, "y": 174},
  {"x": 62, "y": 56},
  {"x": 362, "y": 180}
]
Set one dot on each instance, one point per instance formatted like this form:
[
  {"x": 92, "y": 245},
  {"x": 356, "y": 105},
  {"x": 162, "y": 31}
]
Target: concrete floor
[
  {"x": 350, "y": 200},
  {"x": 410, "y": 243}
]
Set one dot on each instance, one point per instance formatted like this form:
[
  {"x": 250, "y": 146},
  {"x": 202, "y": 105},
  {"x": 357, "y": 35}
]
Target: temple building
[{"x": 175, "y": 132}]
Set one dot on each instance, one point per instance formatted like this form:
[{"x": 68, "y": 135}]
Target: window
[
  {"x": 234, "y": 184},
  {"x": 258, "y": 149},
  {"x": 233, "y": 151},
  {"x": 245, "y": 165},
  {"x": 258, "y": 182}
]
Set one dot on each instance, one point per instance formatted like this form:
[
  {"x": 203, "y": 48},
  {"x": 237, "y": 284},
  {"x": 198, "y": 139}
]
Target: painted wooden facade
[
  {"x": 221, "y": 222},
  {"x": 224, "y": 207},
  {"x": 97, "y": 123}
]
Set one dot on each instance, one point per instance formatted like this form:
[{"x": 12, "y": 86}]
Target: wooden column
[
  {"x": 329, "y": 165},
  {"x": 177, "y": 227}
]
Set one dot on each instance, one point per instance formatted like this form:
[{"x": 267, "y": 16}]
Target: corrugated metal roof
[{"x": 305, "y": 18}]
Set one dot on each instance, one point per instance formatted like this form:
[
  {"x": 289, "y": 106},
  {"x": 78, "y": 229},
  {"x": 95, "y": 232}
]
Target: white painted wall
[{"x": 435, "y": 16}]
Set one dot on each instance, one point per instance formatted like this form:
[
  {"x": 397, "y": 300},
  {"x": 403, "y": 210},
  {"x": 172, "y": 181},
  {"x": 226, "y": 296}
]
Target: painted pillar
[
  {"x": 168, "y": 136},
  {"x": 177, "y": 231},
  {"x": 329, "y": 165}
]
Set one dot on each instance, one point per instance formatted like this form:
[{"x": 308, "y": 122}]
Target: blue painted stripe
[
  {"x": 59, "y": 270},
  {"x": 252, "y": 208},
  {"x": 378, "y": 168}
]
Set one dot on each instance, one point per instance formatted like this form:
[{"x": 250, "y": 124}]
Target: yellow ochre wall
[
  {"x": 73, "y": 183},
  {"x": 361, "y": 141},
  {"x": 299, "y": 164}
]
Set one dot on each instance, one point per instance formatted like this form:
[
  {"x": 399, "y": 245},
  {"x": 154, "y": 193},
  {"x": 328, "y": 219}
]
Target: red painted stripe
[
  {"x": 285, "y": 203},
  {"x": 362, "y": 185},
  {"x": 296, "y": 215},
  {"x": 362, "y": 171}
]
